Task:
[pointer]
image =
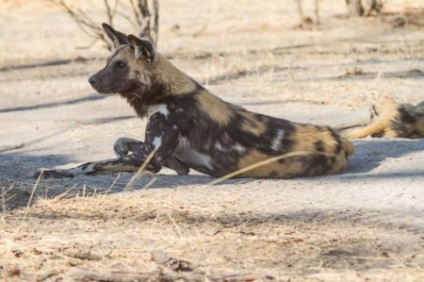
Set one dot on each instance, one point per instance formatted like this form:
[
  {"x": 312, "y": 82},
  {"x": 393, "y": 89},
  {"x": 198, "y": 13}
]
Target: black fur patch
[
  {"x": 336, "y": 137},
  {"x": 319, "y": 146},
  {"x": 400, "y": 122},
  {"x": 405, "y": 116}
]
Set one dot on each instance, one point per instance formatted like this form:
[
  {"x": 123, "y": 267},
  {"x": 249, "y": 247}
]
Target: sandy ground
[{"x": 366, "y": 224}]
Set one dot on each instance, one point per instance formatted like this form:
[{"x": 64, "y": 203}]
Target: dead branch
[
  {"x": 140, "y": 17},
  {"x": 149, "y": 22},
  {"x": 137, "y": 16},
  {"x": 145, "y": 20},
  {"x": 155, "y": 22},
  {"x": 356, "y": 7},
  {"x": 108, "y": 12},
  {"x": 317, "y": 18},
  {"x": 85, "y": 24},
  {"x": 305, "y": 21},
  {"x": 300, "y": 9},
  {"x": 376, "y": 7}
]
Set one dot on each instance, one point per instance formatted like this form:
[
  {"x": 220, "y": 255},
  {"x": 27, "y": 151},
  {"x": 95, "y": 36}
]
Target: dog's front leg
[
  {"x": 123, "y": 146},
  {"x": 161, "y": 138},
  {"x": 125, "y": 164}
]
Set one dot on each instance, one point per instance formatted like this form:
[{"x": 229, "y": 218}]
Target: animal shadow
[{"x": 369, "y": 153}]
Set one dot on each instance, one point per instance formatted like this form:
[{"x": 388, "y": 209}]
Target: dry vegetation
[
  {"x": 116, "y": 234},
  {"x": 354, "y": 227}
]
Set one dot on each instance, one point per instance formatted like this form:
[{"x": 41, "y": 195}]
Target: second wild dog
[{"x": 393, "y": 120}]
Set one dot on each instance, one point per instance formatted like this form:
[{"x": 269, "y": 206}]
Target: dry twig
[{"x": 141, "y": 18}]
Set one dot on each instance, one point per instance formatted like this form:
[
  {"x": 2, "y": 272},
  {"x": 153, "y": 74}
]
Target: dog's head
[{"x": 129, "y": 66}]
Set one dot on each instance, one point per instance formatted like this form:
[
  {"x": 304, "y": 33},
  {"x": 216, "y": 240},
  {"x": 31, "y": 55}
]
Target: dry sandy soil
[{"x": 366, "y": 224}]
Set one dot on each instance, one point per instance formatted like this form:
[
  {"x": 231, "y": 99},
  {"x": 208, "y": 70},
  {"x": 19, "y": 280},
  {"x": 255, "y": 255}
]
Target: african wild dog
[
  {"x": 393, "y": 120},
  {"x": 188, "y": 127}
]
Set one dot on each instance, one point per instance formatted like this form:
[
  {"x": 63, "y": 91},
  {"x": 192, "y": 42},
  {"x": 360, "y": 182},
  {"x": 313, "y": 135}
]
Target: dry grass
[{"x": 107, "y": 233}]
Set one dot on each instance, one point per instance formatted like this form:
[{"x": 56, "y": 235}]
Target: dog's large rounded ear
[
  {"x": 118, "y": 38},
  {"x": 142, "y": 48}
]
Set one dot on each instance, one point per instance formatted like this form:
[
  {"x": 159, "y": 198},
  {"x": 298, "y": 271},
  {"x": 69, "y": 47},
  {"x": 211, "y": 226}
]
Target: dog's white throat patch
[{"x": 161, "y": 108}]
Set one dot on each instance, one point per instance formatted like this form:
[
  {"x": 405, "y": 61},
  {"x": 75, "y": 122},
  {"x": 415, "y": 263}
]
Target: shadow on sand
[
  {"x": 370, "y": 153},
  {"x": 18, "y": 169},
  {"x": 93, "y": 97}
]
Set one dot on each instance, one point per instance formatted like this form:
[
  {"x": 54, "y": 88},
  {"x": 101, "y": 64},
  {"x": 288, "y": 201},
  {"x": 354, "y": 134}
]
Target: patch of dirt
[{"x": 117, "y": 233}]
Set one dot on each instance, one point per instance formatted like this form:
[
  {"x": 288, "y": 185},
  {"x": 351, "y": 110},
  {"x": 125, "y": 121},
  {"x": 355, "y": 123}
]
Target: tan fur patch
[
  {"x": 215, "y": 108},
  {"x": 253, "y": 157},
  {"x": 329, "y": 159},
  {"x": 292, "y": 165},
  {"x": 124, "y": 53},
  {"x": 339, "y": 163},
  {"x": 251, "y": 125},
  {"x": 287, "y": 168},
  {"x": 305, "y": 136},
  {"x": 177, "y": 81}
]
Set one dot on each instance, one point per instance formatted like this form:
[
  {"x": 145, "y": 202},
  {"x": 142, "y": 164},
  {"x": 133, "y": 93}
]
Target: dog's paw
[{"x": 52, "y": 174}]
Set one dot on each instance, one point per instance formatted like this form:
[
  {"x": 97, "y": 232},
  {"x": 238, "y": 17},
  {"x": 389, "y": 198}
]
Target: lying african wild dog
[
  {"x": 188, "y": 127},
  {"x": 393, "y": 120}
]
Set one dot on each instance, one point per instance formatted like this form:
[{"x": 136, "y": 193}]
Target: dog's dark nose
[{"x": 93, "y": 80}]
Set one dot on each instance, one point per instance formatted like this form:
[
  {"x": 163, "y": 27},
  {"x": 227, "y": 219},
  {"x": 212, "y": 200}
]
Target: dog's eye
[{"x": 120, "y": 64}]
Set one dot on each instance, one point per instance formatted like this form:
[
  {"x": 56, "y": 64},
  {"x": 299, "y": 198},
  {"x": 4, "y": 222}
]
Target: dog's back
[{"x": 218, "y": 138}]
